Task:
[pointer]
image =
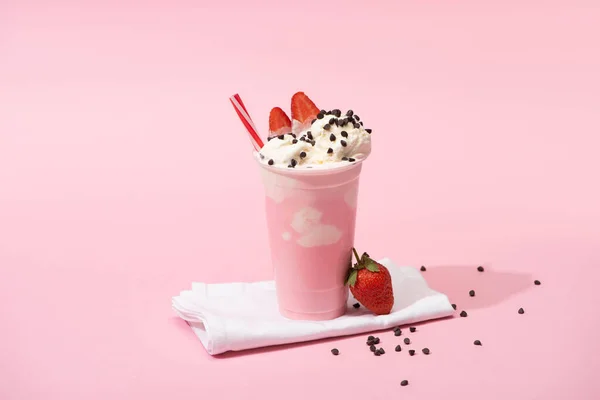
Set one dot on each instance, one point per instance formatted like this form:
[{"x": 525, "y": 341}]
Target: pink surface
[{"x": 485, "y": 120}]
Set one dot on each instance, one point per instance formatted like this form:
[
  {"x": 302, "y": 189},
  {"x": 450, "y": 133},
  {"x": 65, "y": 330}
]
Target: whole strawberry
[{"x": 371, "y": 284}]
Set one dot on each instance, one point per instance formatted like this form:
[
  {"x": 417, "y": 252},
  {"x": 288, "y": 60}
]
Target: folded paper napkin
[{"x": 239, "y": 316}]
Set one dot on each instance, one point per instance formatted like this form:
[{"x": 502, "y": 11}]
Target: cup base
[{"x": 313, "y": 316}]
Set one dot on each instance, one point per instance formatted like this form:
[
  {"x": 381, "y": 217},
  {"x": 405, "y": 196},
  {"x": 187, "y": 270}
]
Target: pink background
[{"x": 486, "y": 127}]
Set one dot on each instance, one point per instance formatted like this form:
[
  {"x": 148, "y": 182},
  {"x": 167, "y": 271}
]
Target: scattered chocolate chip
[
  {"x": 376, "y": 340},
  {"x": 536, "y": 282},
  {"x": 344, "y": 158},
  {"x": 293, "y": 162},
  {"x": 463, "y": 314},
  {"x": 320, "y": 115},
  {"x": 294, "y": 141},
  {"x": 271, "y": 162},
  {"x": 381, "y": 350},
  {"x": 327, "y": 127},
  {"x": 423, "y": 268},
  {"x": 313, "y": 121},
  {"x": 411, "y": 352},
  {"x": 372, "y": 348},
  {"x": 368, "y": 130},
  {"x": 303, "y": 138},
  {"x": 336, "y": 112},
  {"x": 355, "y": 305},
  {"x": 356, "y": 125},
  {"x": 323, "y": 112},
  {"x": 343, "y": 143},
  {"x": 329, "y": 150},
  {"x": 472, "y": 293},
  {"x": 344, "y": 133},
  {"x": 412, "y": 329},
  {"x": 312, "y": 142},
  {"x": 477, "y": 343},
  {"x": 398, "y": 348},
  {"x": 425, "y": 351},
  {"x": 293, "y": 135},
  {"x": 397, "y": 329},
  {"x": 454, "y": 306},
  {"x": 331, "y": 121},
  {"x": 302, "y": 155},
  {"x": 361, "y": 123},
  {"x": 281, "y": 137},
  {"x": 356, "y": 117},
  {"x": 309, "y": 135},
  {"x": 404, "y": 383},
  {"x": 480, "y": 269},
  {"x": 398, "y": 332},
  {"x": 521, "y": 311},
  {"x": 370, "y": 342},
  {"x": 351, "y": 159},
  {"x": 269, "y": 138},
  {"x": 335, "y": 352},
  {"x": 377, "y": 353},
  {"x": 332, "y": 137},
  {"x": 371, "y": 338},
  {"x": 349, "y": 113},
  {"x": 406, "y": 341}
]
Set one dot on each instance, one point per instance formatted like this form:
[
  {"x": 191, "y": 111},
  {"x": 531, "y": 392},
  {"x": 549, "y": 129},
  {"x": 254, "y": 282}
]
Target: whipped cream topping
[{"x": 329, "y": 141}]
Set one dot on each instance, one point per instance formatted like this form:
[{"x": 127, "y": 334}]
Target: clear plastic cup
[{"x": 311, "y": 217}]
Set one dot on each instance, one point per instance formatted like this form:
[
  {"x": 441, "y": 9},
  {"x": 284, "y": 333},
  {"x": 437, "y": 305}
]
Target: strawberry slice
[
  {"x": 303, "y": 109},
  {"x": 279, "y": 122}
]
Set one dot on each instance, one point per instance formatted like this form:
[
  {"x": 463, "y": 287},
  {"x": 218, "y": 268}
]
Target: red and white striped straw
[{"x": 241, "y": 111}]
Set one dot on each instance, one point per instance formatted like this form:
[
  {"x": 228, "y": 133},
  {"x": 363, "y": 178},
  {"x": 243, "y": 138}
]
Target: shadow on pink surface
[{"x": 491, "y": 287}]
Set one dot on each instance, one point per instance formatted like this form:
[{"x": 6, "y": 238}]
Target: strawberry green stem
[{"x": 356, "y": 255}]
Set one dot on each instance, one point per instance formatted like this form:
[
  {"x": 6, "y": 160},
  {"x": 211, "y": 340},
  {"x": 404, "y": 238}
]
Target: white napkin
[{"x": 239, "y": 316}]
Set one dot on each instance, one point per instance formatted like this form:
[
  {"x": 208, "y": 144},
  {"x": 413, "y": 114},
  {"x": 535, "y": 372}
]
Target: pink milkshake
[{"x": 310, "y": 170}]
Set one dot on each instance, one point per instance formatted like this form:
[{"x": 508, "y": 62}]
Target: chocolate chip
[
  {"x": 361, "y": 123},
  {"x": 372, "y": 348},
  {"x": 404, "y": 383},
  {"x": 309, "y": 135},
  {"x": 521, "y": 311},
  {"x": 302, "y": 155},
  {"x": 371, "y": 338},
  {"x": 369, "y": 131},
  {"x": 356, "y": 117},
  {"x": 329, "y": 150},
  {"x": 320, "y": 115},
  {"x": 313, "y": 121},
  {"x": 293, "y": 162},
  {"x": 327, "y": 127},
  {"x": 472, "y": 293},
  {"x": 423, "y": 268},
  {"x": 463, "y": 314},
  {"x": 370, "y": 342},
  {"x": 376, "y": 340},
  {"x": 377, "y": 353},
  {"x": 454, "y": 306},
  {"x": 381, "y": 350},
  {"x": 413, "y": 329},
  {"x": 312, "y": 142},
  {"x": 536, "y": 282},
  {"x": 398, "y": 332},
  {"x": 332, "y": 137},
  {"x": 344, "y": 133},
  {"x": 398, "y": 348},
  {"x": 355, "y": 305},
  {"x": 335, "y": 352},
  {"x": 303, "y": 138},
  {"x": 293, "y": 135},
  {"x": 271, "y": 162},
  {"x": 406, "y": 341},
  {"x": 397, "y": 329},
  {"x": 281, "y": 137},
  {"x": 331, "y": 121},
  {"x": 349, "y": 113},
  {"x": 269, "y": 138},
  {"x": 323, "y": 112},
  {"x": 294, "y": 141},
  {"x": 411, "y": 352},
  {"x": 344, "y": 158},
  {"x": 343, "y": 143},
  {"x": 477, "y": 343},
  {"x": 351, "y": 159},
  {"x": 425, "y": 351},
  {"x": 336, "y": 112},
  {"x": 480, "y": 269},
  {"x": 356, "y": 125}
]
